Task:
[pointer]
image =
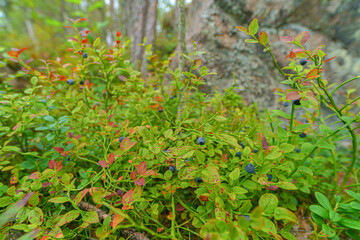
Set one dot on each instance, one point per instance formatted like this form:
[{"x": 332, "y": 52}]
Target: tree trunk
[
  {"x": 150, "y": 30},
  {"x": 181, "y": 33},
  {"x": 139, "y": 32}
]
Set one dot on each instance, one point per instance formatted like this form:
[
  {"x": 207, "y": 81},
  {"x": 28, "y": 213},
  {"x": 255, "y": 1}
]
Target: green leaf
[
  {"x": 269, "y": 202},
  {"x": 334, "y": 216},
  {"x": 305, "y": 170},
  {"x": 302, "y": 127},
  {"x": 58, "y": 199},
  {"x": 4, "y": 201},
  {"x": 281, "y": 114},
  {"x": 317, "y": 219},
  {"x": 235, "y": 174},
  {"x": 96, "y": 42},
  {"x": 284, "y": 214},
  {"x": 320, "y": 211},
  {"x": 326, "y": 146},
  {"x": 323, "y": 200},
  {"x": 328, "y": 230},
  {"x": 68, "y": 217},
  {"x": 253, "y": 27},
  {"x": 346, "y": 222},
  {"x": 286, "y": 147},
  {"x": 353, "y": 194},
  {"x": 251, "y": 41},
  {"x": 49, "y": 118}
]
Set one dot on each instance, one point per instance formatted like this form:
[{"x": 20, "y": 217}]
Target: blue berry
[
  {"x": 172, "y": 97},
  {"x": 155, "y": 88},
  {"x": 303, "y": 61},
  {"x": 85, "y": 55},
  {"x": 297, "y": 150},
  {"x": 247, "y": 217},
  {"x": 172, "y": 168},
  {"x": 270, "y": 176},
  {"x": 283, "y": 128},
  {"x": 121, "y": 138},
  {"x": 302, "y": 135},
  {"x": 68, "y": 159},
  {"x": 238, "y": 154},
  {"x": 81, "y": 82},
  {"x": 201, "y": 141},
  {"x": 198, "y": 180},
  {"x": 286, "y": 104},
  {"x": 255, "y": 151},
  {"x": 250, "y": 168},
  {"x": 70, "y": 81},
  {"x": 296, "y": 102},
  {"x": 187, "y": 160},
  {"x": 242, "y": 145}
]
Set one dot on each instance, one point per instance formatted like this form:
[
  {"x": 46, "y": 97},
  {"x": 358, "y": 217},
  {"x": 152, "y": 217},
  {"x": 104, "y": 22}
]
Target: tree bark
[
  {"x": 181, "y": 33},
  {"x": 150, "y": 30}
]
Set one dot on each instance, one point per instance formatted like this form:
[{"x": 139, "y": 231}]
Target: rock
[{"x": 211, "y": 24}]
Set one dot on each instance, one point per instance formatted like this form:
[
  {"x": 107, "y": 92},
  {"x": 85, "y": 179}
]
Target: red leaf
[
  {"x": 103, "y": 163},
  {"x": 117, "y": 219},
  {"x": 74, "y": 39},
  {"x": 149, "y": 173},
  {"x": 287, "y": 39},
  {"x": 329, "y": 59},
  {"x": 293, "y": 95},
  {"x": 68, "y": 26},
  {"x": 111, "y": 158},
  {"x": 52, "y": 164},
  {"x": 80, "y": 20},
  {"x": 17, "y": 126},
  {"x": 263, "y": 141},
  {"x": 141, "y": 168},
  {"x": 305, "y": 37},
  {"x": 23, "y": 49},
  {"x": 128, "y": 198},
  {"x": 242, "y": 29},
  {"x": 140, "y": 182},
  {"x": 59, "y": 149},
  {"x": 70, "y": 134},
  {"x": 313, "y": 74},
  {"x": 126, "y": 144},
  {"x": 272, "y": 187},
  {"x": 81, "y": 195},
  {"x": 35, "y": 175},
  {"x": 263, "y": 38},
  {"x": 13, "y": 54},
  {"x": 133, "y": 175}
]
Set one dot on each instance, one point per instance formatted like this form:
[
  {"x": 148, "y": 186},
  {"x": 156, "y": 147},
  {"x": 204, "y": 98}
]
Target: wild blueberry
[
  {"x": 201, "y": 141},
  {"x": 303, "y": 61},
  {"x": 297, "y": 150},
  {"x": 81, "y": 82},
  {"x": 242, "y": 145},
  {"x": 172, "y": 97},
  {"x": 68, "y": 159},
  {"x": 155, "y": 88},
  {"x": 296, "y": 102},
  {"x": 85, "y": 55},
  {"x": 70, "y": 81},
  {"x": 238, "y": 154},
  {"x": 255, "y": 151},
  {"x": 269, "y": 176},
  {"x": 284, "y": 128},
  {"x": 250, "y": 168},
  {"x": 187, "y": 160},
  {"x": 302, "y": 135},
  {"x": 172, "y": 168},
  {"x": 121, "y": 138},
  {"x": 286, "y": 104},
  {"x": 247, "y": 217},
  {"x": 198, "y": 180}
]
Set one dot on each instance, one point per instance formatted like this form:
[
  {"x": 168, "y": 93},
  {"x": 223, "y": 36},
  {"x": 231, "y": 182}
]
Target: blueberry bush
[{"x": 92, "y": 149}]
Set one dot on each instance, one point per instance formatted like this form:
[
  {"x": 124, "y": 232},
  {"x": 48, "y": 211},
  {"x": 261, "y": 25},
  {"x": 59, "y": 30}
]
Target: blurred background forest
[{"x": 40, "y": 25}]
